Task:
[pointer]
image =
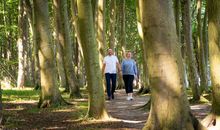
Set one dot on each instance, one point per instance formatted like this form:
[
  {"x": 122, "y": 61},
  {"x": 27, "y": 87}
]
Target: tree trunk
[
  {"x": 205, "y": 39},
  {"x": 202, "y": 67},
  {"x": 190, "y": 59},
  {"x": 79, "y": 66},
  {"x": 35, "y": 48},
  {"x": 100, "y": 36},
  {"x": 112, "y": 24},
  {"x": 91, "y": 59},
  {"x": 122, "y": 23},
  {"x": 59, "y": 48},
  {"x": 212, "y": 121},
  {"x": 146, "y": 85},
  {"x": 101, "y": 27},
  {"x": 67, "y": 48},
  {"x": 50, "y": 94},
  {"x": 21, "y": 43},
  {"x": 169, "y": 105}
]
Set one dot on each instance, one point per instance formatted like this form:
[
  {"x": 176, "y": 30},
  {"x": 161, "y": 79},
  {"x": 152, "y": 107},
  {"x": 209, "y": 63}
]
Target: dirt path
[{"x": 127, "y": 111}]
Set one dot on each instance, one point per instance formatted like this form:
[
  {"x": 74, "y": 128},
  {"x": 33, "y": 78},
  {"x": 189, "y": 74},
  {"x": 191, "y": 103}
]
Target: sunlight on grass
[{"x": 15, "y": 94}]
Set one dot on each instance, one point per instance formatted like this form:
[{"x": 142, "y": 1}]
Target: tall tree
[
  {"x": 205, "y": 38},
  {"x": 91, "y": 59},
  {"x": 213, "y": 119},
  {"x": 35, "y": 48},
  {"x": 169, "y": 106},
  {"x": 122, "y": 26},
  {"x": 202, "y": 66},
  {"x": 21, "y": 43},
  {"x": 62, "y": 24},
  {"x": 145, "y": 86},
  {"x": 101, "y": 27},
  {"x": 112, "y": 24},
  {"x": 190, "y": 59},
  {"x": 50, "y": 94},
  {"x": 58, "y": 39}
]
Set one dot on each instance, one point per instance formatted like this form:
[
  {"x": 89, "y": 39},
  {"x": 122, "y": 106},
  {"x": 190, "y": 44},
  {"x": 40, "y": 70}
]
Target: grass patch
[{"x": 19, "y": 95}]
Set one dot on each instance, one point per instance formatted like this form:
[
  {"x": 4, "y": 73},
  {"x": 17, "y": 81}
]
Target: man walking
[{"x": 109, "y": 67}]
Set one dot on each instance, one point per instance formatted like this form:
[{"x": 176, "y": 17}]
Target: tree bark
[
  {"x": 190, "y": 59},
  {"x": 50, "y": 94},
  {"x": 169, "y": 105},
  {"x": 91, "y": 59},
  {"x": 212, "y": 121}
]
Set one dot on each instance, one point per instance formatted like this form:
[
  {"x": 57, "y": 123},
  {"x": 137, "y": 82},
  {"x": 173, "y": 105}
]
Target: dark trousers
[
  {"x": 128, "y": 80},
  {"x": 110, "y": 80}
]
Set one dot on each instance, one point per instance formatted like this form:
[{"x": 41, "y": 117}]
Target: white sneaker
[{"x": 128, "y": 98}]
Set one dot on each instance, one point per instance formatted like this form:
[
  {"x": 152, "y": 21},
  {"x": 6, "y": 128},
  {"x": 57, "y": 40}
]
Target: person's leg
[
  {"x": 113, "y": 78},
  {"x": 126, "y": 83},
  {"x": 108, "y": 85},
  {"x": 130, "y": 86}
]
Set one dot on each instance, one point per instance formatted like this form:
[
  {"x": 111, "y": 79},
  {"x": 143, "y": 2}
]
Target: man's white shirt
[{"x": 110, "y": 64}]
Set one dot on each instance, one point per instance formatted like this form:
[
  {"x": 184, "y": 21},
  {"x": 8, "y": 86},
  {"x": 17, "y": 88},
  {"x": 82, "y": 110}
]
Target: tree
[
  {"x": 169, "y": 106},
  {"x": 65, "y": 47},
  {"x": 146, "y": 86},
  {"x": 91, "y": 59},
  {"x": 21, "y": 43},
  {"x": 112, "y": 24},
  {"x": 50, "y": 94},
  {"x": 213, "y": 119},
  {"x": 202, "y": 66},
  {"x": 101, "y": 27},
  {"x": 190, "y": 59}
]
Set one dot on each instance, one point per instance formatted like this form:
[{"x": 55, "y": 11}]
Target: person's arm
[
  {"x": 103, "y": 68},
  {"x": 122, "y": 66},
  {"x": 135, "y": 68}
]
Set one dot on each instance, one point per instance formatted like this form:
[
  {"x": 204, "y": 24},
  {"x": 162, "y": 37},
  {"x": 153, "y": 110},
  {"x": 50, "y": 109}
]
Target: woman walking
[{"x": 129, "y": 72}]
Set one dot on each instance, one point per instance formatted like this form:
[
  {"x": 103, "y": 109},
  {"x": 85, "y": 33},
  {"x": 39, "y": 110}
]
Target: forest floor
[{"x": 125, "y": 115}]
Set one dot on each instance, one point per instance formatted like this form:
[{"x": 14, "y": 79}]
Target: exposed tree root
[
  {"x": 212, "y": 122},
  {"x": 196, "y": 124},
  {"x": 145, "y": 107},
  {"x": 50, "y": 103},
  {"x": 144, "y": 90}
]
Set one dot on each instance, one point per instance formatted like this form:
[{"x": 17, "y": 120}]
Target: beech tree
[
  {"x": 96, "y": 107},
  {"x": 169, "y": 105},
  {"x": 50, "y": 94}
]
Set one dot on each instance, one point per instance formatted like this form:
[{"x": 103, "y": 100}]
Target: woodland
[{"x": 52, "y": 51}]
